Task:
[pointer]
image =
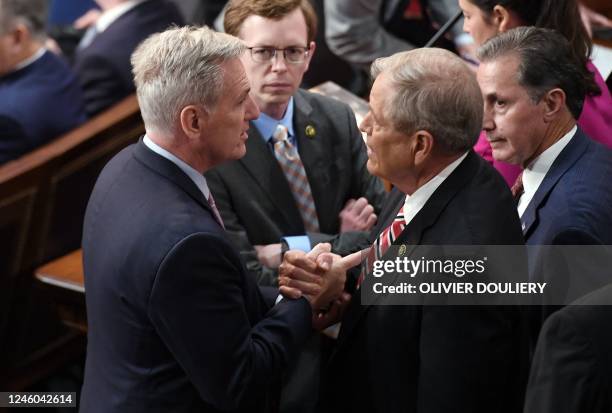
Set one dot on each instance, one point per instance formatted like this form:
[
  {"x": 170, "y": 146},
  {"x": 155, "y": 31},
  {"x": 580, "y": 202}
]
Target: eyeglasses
[{"x": 291, "y": 54}]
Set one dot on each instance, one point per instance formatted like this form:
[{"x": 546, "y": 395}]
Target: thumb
[{"x": 318, "y": 250}]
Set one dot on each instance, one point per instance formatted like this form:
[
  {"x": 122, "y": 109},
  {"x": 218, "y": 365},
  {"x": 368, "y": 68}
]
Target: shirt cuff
[{"x": 299, "y": 242}]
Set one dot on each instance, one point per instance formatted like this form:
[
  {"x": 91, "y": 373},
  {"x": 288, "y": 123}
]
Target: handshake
[{"x": 319, "y": 276}]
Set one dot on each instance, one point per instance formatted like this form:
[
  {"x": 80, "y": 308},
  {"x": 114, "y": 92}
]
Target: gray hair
[
  {"x": 434, "y": 91},
  {"x": 546, "y": 61},
  {"x": 178, "y": 67},
  {"x": 31, "y": 13}
]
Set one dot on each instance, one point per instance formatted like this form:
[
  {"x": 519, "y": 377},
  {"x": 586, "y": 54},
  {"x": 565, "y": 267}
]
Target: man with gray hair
[
  {"x": 175, "y": 322},
  {"x": 425, "y": 115},
  {"x": 534, "y": 90},
  {"x": 40, "y": 96}
]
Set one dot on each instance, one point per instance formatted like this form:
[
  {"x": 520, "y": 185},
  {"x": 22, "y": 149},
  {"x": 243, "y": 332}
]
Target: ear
[
  {"x": 193, "y": 120},
  {"x": 502, "y": 18},
  {"x": 19, "y": 37},
  {"x": 554, "y": 103},
  {"x": 311, "y": 50},
  {"x": 423, "y": 144}
]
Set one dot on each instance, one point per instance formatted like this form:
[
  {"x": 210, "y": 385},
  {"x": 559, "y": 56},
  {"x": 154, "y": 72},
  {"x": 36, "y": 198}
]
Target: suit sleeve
[
  {"x": 237, "y": 233},
  {"x": 198, "y": 306},
  {"x": 563, "y": 373},
  {"x": 13, "y": 140}
]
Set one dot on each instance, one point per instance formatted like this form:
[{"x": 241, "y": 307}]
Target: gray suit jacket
[
  {"x": 255, "y": 200},
  {"x": 355, "y": 29}
]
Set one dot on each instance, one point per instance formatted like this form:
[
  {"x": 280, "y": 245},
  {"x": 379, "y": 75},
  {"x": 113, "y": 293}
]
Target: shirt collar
[
  {"x": 27, "y": 62},
  {"x": 534, "y": 174},
  {"x": 109, "y": 16},
  {"x": 195, "y": 176},
  {"x": 266, "y": 125},
  {"x": 415, "y": 202}
]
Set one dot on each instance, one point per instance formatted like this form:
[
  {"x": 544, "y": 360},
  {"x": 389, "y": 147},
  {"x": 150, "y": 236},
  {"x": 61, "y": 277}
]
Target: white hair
[
  {"x": 178, "y": 67},
  {"x": 434, "y": 91}
]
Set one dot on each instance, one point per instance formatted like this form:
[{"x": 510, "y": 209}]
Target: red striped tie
[{"x": 382, "y": 244}]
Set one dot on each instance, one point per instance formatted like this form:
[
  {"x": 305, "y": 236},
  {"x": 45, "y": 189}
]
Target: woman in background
[{"x": 486, "y": 18}]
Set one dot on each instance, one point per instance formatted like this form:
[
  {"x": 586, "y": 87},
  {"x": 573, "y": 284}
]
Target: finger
[
  {"x": 360, "y": 204},
  {"x": 366, "y": 212},
  {"x": 306, "y": 288},
  {"x": 300, "y": 259},
  {"x": 371, "y": 221},
  {"x": 318, "y": 250},
  {"x": 325, "y": 261},
  {"x": 351, "y": 260},
  {"x": 305, "y": 276},
  {"x": 289, "y": 292},
  {"x": 349, "y": 205}
]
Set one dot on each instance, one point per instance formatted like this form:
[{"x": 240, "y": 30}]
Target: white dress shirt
[
  {"x": 415, "y": 202},
  {"x": 534, "y": 174},
  {"x": 197, "y": 178}
]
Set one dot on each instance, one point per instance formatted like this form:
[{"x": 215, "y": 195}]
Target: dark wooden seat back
[{"x": 43, "y": 196}]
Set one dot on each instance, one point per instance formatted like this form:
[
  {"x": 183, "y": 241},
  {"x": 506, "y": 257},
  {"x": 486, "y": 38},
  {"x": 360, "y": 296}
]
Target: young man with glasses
[{"x": 303, "y": 179}]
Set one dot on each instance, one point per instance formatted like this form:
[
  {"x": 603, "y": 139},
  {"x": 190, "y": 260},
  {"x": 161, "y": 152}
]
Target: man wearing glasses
[{"x": 303, "y": 179}]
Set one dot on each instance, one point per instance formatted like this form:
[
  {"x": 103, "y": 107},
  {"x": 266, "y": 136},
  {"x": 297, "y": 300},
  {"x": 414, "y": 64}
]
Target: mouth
[{"x": 278, "y": 85}]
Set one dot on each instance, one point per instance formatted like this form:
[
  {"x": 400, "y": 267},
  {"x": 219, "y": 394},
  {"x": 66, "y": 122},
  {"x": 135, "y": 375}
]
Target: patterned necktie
[
  {"x": 382, "y": 244},
  {"x": 213, "y": 206},
  {"x": 517, "y": 188},
  {"x": 291, "y": 164}
]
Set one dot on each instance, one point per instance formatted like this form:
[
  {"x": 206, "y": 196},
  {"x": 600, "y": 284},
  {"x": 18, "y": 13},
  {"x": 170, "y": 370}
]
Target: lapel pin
[
  {"x": 310, "y": 131},
  {"x": 402, "y": 250}
]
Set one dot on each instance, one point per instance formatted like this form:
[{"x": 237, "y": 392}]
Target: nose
[
  {"x": 365, "y": 125},
  {"x": 487, "y": 120},
  {"x": 278, "y": 62},
  {"x": 252, "y": 111}
]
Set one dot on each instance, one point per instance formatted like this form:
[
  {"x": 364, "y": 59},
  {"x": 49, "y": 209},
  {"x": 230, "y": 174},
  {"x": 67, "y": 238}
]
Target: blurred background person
[
  {"x": 40, "y": 96},
  {"x": 102, "y": 59}
]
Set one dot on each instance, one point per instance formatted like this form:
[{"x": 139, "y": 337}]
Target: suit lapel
[
  {"x": 315, "y": 155},
  {"x": 412, "y": 234},
  {"x": 566, "y": 159},
  {"x": 172, "y": 172},
  {"x": 260, "y": 162}
]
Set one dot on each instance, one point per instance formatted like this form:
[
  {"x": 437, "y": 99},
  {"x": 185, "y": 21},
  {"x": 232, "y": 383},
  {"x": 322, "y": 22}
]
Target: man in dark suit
[
  {"x": 102, "y": 60},
  {"x": 41, "y": 98},
  {"x": 175, "y": 321},
  {"x": 257, "y": 200},
  {"x": 534, "y": 90},
  {"x": 572, "y": 365},
  {"x": 426, "y": 358}
]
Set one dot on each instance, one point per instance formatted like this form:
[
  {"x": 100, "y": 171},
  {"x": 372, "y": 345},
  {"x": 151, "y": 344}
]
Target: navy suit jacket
[
  {"x": 39, "y": 102},
  {"x": 572, "y": 366},
  {"x": 104, "y": 68},
  {"x": 175, "y": 322},
  {"x": 432, "y": 358},
  {"x": 572, "y": 206}
]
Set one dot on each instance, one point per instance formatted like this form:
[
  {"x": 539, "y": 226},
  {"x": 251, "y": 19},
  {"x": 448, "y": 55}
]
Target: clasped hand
[{"x": 319, "y": 276}]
